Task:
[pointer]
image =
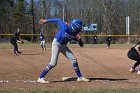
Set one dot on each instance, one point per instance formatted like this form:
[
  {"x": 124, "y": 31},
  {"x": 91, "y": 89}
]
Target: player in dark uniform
[
  {"x": 134, "y": 54},
  {"x": 108, "y": 40},
  {"x": 14, "y": 40},
  {"x": 42, "y": 41},
  {"x": 95, "y": 39}
]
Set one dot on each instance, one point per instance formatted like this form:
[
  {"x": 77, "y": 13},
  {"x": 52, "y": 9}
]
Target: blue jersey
[
  {"x": 65, "y": 33},
  {"x": 41, "y": 36}
]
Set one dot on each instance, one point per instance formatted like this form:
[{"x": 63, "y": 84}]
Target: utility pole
[
  {"x": 63, "y": 12},
  {"x": 44, "y": 7},
  {"x": 33, "y": 21}
]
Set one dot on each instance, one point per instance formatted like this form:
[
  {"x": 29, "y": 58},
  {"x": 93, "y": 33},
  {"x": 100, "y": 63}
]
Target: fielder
[
  {"x": 108, "y": 40},
  {"x": 134, "y": 54},
  {"x": 14, "y": 40},
  {"x": 65, "y": 34},
  {"x": 42, "y": 41}
]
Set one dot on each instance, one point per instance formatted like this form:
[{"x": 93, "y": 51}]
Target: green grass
[
  {"x": 73, "y": 91},
  {"x": 37, "y": 45}
]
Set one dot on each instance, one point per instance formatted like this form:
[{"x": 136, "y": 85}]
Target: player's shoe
[
  {"x": 15, "y": 54},
  {"x": 83, "y": 79},
  {"x": 41, "y": 80},
  {"x": 138, "y": 72},
  {"x": 132, "y": 70},
  {"x": 19, "y": 52}
]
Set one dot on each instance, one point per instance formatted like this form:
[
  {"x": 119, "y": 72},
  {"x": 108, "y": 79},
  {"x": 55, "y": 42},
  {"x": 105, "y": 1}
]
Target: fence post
[{"x": 128, "y": 29}]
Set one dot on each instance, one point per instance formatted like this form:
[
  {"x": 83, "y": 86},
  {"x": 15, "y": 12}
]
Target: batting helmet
[{"x": 77, "y": 25}]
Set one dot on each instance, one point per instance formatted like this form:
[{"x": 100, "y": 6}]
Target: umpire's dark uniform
[
  {"x": 108, "y": 40},
  {"x": 13, "y": 41},
  {"x": 133, "y": 54}
]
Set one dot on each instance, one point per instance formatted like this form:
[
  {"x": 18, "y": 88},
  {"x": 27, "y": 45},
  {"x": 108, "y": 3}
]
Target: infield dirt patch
[{"x": 106, "y": 68}]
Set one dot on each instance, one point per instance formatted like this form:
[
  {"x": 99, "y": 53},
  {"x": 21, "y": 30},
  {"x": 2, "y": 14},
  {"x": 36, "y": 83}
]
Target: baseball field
[{"x": 108, "y": 70}]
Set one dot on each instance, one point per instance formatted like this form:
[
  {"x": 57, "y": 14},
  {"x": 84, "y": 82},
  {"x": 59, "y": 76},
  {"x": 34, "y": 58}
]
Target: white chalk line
[
  {"x": 27, "y": 81},
  {"x": 18, "y": 81}
]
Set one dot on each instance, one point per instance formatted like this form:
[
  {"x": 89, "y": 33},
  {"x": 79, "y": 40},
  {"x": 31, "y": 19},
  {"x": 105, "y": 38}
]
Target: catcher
[
  {"x": 134, "y": 54},
  {"x": 14, "y": 40},
  {"x": 65, "y": 34}
]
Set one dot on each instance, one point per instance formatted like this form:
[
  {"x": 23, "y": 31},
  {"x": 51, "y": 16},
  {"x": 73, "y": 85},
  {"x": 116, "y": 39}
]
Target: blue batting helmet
[{"x": 77, "y": 25}]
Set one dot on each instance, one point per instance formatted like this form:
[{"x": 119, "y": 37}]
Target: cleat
[
  {"x": 19, "y": 52},
  {"x": 138, "y": 72},
  {"x": 132, "y": 70},
  {"x": 15, "y": 54},
  {"x": 83, "y": 79},
  {"x": 41, "y": 80}
]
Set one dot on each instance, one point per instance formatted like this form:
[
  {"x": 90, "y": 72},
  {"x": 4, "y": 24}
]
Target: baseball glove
[
  {"x": 22, "y": 42},
  {"x": 80, "y": 42}
]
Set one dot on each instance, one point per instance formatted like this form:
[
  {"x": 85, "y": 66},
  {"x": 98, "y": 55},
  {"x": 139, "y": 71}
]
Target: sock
[
  {"x": 14, "y": 50},
  {"x": 135, "y": 65},
  {"x": 77, "y": 70},
  {"x": 45, "y": 71},
  {"x": 41, "y": 46}
]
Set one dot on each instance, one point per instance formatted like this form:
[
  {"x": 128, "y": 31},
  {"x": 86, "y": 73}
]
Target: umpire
[{"x": 14, "y": 40}]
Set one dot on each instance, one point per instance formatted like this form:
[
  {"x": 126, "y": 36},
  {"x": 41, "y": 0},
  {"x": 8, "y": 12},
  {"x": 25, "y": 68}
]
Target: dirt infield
[{"x": 106, "y": 68}]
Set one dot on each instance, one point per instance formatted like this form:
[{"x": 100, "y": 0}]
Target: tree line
[{"x": 110, "y": 15}]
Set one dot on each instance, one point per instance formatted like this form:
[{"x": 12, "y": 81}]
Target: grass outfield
[
  {"x": 73, "y": 91},
  {"x": 37, "y": 45}
]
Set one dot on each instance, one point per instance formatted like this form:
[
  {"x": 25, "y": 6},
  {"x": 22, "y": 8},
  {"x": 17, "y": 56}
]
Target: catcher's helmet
[{"x": 76, "y": 25}]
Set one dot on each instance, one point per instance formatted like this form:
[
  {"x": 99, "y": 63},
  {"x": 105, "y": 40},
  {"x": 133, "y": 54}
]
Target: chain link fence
[{"x": 87, "y": 39}]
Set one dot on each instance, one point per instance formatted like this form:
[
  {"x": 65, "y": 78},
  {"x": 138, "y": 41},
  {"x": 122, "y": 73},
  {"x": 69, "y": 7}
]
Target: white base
[{"x": 66, "y": 78}]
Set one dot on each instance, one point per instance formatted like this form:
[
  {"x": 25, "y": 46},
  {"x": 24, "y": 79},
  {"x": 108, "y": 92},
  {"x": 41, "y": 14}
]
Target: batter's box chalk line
[
  {"x": 35, "y": 81},
  {"x": 24, "y": 81}
]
